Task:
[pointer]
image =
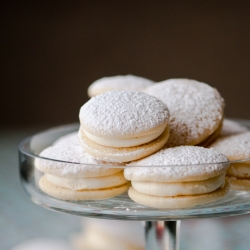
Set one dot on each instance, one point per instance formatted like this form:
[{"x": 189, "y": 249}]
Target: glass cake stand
[{"x": 161, "y": 226}]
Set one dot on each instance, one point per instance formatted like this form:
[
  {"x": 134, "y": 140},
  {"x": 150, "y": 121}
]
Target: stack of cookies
[
  {"x": 236, "y": 146},
  {"x": 156, "y": 131},
  {"x": 75, "y": 175}
]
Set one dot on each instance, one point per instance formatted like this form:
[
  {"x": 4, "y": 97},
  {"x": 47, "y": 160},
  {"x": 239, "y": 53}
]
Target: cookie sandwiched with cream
[
  {"x": 72, "y": 174},
  {"x": 196, "y": 110},
  {"x": 178, "y": 177},
  {"x": 122, "y": 126},
  {"x": 237, "y": 149},
  {"x": 120, "y": 82}
]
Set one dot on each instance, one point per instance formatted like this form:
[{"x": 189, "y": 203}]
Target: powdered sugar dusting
[
  {"x": 122, "y": 114},
  {"x": 127, "y": 82},
  {"x": 69, "y": 139},
  {"x": 196, "y": 109},
  {"x": 177, "y": 156},
  {"x": 67, "y": 155},
  {"x": 235, "y": 147}
]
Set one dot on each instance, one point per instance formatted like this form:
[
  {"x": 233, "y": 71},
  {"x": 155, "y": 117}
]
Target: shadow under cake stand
[{"x": 161, "y": 226}]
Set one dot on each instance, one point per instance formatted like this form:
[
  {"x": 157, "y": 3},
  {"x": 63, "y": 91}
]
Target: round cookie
[
  {"x": 183, "y": 163},
  {"x": 126, "y": 82},
  {"x": 196, "y": 109},
  {"x": 71, "y": 161},
  {"x": 127, "y": 123},
  {"x": 113, "y": 180},
  {"x": 238, "y": 184},
  {"x": 178, "y": 202},
  {"x": 237, "y": 148},
  {"x": 123, "y": 154},
  {"x": 84, "y": 194},
  {"x": 73, "y": 174},
  {"x": 178, "y": 177},
  {"x": 179, "y": 188}
]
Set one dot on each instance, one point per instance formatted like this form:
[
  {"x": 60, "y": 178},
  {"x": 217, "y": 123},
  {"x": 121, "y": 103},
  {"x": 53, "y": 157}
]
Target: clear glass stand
[{"x": 161, "y": 226}]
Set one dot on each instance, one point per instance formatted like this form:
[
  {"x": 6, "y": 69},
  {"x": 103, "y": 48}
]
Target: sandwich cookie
[
  {"x": 127, "y": 82},
  {"x": 73, "y": 174},
  {"x": 196, "y": 110},
  {"x": 109, "y": 235},
  {"x": 121, "y": 126},
  {"x": 178, "y": 177},
  {"x": 237, "y": 149}
]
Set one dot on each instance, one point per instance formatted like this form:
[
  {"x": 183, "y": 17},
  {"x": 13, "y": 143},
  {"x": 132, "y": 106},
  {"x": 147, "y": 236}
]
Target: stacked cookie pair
[
  {"x": 234, "y": 142},
  {"x": 73, "y": 174}
]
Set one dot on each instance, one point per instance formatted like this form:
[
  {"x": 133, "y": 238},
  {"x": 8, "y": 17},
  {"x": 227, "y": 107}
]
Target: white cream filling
[
  {"x": 88, "y": 183},
  {"x": 179, "y": 188},
  {"x": 124, "y": 142}
]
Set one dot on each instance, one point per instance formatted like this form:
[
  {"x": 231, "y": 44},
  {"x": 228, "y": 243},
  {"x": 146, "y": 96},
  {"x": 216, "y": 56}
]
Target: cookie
[
  {"x": 122, "y": 126},
  {"x": 178, "y": 177},
  {"x": 113, "y": 180},
  {"x": 123, "y": 154},
  {"x": 178, "y": 202},
  {"x": 238, "y": 184},
  {"x": 72, "y": 161},
  {"x": 126, "y": 82},
  {"x": 179, "y": 188},
  {"x": 84, "y": 194},
  {"x": 196, "y": 109},
  {"x": 73, "y": 174},
  {"x": 237, "y": 149}
]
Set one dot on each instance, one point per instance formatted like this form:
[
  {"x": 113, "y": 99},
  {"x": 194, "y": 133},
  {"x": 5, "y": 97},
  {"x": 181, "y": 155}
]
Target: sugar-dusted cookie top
[
  {"x": 123, "y": 114},
  {"x": 126, "y": 82},
  {"x": 70, "y": 139},
  {"x": 188, "y": 163},
  {"x": 196, "y": 109},
  {"x": 235, "y": 147},
  {"x": 66, "y": 161}
]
